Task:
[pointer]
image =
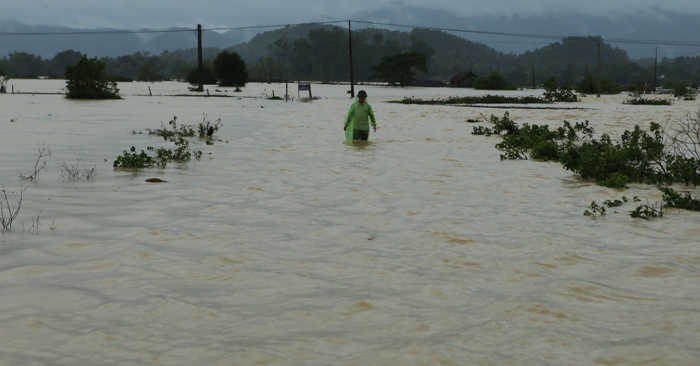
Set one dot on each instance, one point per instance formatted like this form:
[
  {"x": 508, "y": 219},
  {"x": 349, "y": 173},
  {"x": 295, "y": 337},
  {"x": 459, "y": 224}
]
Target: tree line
[{"x": 321, "y": 53}]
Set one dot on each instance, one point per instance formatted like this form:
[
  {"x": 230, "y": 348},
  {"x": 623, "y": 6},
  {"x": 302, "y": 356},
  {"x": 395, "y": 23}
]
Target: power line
[
  {"x": 454, "y": 30},
  {"x": 96, "y": 32},
  {"x": 541, "y": 36},
  {"x": 274, "y": 26}
]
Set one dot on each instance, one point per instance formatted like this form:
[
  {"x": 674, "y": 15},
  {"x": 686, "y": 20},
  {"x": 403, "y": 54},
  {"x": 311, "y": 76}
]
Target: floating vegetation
[
  {"x": 485, "y": 99},
  {"x": 177, "y": 135},
  {"x": 646, "y": 211},
  {"x": 666, "y": 154},
  {"x": 533, "y": 141},
  {"x": 639, "y": 100},
  {"x": 675, "y": 199}
]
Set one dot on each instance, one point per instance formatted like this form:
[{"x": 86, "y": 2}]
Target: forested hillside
[{"x": 321, "y": 53}]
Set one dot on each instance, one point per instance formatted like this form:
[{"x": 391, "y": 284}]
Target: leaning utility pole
[
  {"x": 598, "y": 69},
  {"x": 352, "y": 78},
  {"x": 200, "y": 87}
]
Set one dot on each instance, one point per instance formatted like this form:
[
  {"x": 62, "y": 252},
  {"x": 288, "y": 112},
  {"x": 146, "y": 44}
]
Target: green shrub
[
  {"x": 134, "y": 160},
  {"x": 174, "y": 131},
  {"x": 589, "y": 85},
  {"x": 175, "y": 134},
  {"x": 648, "y": 211},
  {"x": 639, "y": 100},
  {"x": 615, "y": 164},
  {"x": 88, "y": 80},
  {"x": 485, "y": 99},
  {"x": 532, "y": 141},
  {"x": 230, "y": 69},
  {"x": 494, "y": 81},
  {"x": 615, "y": 180},
  {"x": 207, "y": 129},
  {"x": 208, "y": 76},
  {"x": 559, "y": 93},
  {"x": 674, "y": 199}
]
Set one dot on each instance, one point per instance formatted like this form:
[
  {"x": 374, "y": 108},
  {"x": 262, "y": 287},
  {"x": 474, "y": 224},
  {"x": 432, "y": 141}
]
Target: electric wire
[{"x": 453, "y": 30}]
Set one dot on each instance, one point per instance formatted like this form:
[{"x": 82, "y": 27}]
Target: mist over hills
[
  {"x": 653, "y": 25},
  {"x": 50, "y": 40},
  {"x": 648, "y": 27}
]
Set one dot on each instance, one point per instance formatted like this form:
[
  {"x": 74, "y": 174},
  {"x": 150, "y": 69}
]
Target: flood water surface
[{"x": 284, "y": 245}]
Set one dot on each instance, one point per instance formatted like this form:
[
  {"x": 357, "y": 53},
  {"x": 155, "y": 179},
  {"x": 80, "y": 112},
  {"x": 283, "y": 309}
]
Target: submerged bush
[
  {"x": 493, "y": 81},
  {"x": 134, "y": 160},
  {"x": 89, "y": 80},
  {"x": 640, "y": 100},
  {"x": 674, "y": 199},
  {"x": 656, "y": 156},
  {"x": 485, "y": 99},
  {"x": 177, "y": 135},
  {"x": 589, "y": 85},
  {"x": 559, "y": 93},
  {"x": 532, "y": 141}
]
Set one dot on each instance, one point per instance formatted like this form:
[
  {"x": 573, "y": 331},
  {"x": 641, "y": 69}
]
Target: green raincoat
[{"x": 358, "y": 118}]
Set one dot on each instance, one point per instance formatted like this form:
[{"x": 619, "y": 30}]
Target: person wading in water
[{"x": 358, "y": 120}]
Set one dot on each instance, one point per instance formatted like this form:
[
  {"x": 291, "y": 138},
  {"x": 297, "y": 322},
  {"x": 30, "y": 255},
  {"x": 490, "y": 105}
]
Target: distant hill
[
  {"x": 321, "y": 52},
  {"x": 47, "y": 41}
]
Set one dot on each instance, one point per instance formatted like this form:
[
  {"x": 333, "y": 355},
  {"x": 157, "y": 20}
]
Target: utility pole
[
  {"x": 199, "y": 58},
  {"x": 656, "y": 58},
  {"x": 352, "y": 77},
  {"x": 598, "y": 69},
  {"x": 534, "y": 85}
]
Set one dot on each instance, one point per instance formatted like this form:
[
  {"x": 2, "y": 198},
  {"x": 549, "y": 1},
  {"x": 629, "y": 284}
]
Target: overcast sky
[{"x": 163, "y": 14}]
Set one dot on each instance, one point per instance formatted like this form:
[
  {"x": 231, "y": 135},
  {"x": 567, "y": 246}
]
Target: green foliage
[
  {"x": 230, "y": 68},
  {"x": 320, "y": 52},
  {"x": 533, "y": 141},
  {"x": 589, "y": 85},
  {"x": 648, "y": 212},
  {"x": 640, "y": 100},
  {"x": 134, "y": 160},
  {"x": 208, "y": 75},
  {"x": 149, "y": 72},
  {"x": 163, "y": 156},
  {"x": 485, "y": 99},
  {"x": 204, "y": 129},
  {"x": 615, "y": 164},
  {"x": 173, "y": 132},
  {"x": 399, "y": 69},
  {"x": 180, "y": 154},
  {"x": 637, "y": 156},
  {"x": 559, "y": 93},
  {"x": 682, "y": 169},
  {"x": 494, "y": 81},
  {"x": 645, "y": 211},
  {"x": 595, "y": 208},
  {"x": 615, "y": 203},
  {"x": 58, "y": 65},
  {"x": 682, "y": 91},
  {"x": 675, "y": 199},
  {"x": 615, "y": 180},
  {"x": 207, "y": 129},
  {"x": 88, "y": 80},
  {"x": 177, "y": 135}
]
